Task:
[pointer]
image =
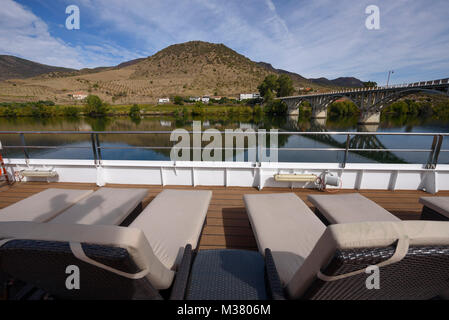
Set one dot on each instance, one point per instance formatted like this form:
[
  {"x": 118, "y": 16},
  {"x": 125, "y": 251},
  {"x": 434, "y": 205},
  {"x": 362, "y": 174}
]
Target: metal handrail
[
  {"x": 432, "y": 162},
  {"x": 198, "y": 132}
]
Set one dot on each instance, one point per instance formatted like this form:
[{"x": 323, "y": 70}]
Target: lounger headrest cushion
[
  {"x": 365, "y": 235},
  {"x": 131, "y": 239}
]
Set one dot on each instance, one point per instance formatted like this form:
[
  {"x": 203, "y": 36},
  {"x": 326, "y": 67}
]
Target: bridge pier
[
  {"x": 293, "y": 108},
  {"x": 319, "y": 113},
  {"x": 369, "y": 117},
  {"x": 293, "y": 112},
  {"x": 319, "y": 122}
]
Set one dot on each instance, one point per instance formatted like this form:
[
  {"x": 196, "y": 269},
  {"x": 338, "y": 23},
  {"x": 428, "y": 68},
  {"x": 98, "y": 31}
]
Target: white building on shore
[
  {"x": 163, "y": 100},
  {"x": 246, "y": 96},
  {"x": 79, "y": 95}
]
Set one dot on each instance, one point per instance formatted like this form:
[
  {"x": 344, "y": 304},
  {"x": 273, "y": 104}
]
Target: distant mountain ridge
[
  {"x": 293, "y": 76},
  {"x": 350, "y": 82},
  {"x": 12, "y": 67}
]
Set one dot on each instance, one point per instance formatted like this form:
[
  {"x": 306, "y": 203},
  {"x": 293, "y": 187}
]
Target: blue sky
[{"x": 319, "y": 38}]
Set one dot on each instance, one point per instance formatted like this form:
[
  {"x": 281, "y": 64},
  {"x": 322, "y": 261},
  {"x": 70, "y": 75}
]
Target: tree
[
  {"x": 268, "y": 86},
  {"x": 284, "y": 86},
  {"x": 95, "y": 107},
  {"x": 134, "y": 112},
  {"x": 178, "y": 100},
  {"x": 276, "y": 107},
  {"x": 272, "y": 85}
]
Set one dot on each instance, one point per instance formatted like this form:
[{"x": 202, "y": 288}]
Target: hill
[
  {"x": 193, "y": 68},
  {"x": 17, "y": 68},
  {"x": 347, "y": 82},
  {"x": 294, "y": 76}
]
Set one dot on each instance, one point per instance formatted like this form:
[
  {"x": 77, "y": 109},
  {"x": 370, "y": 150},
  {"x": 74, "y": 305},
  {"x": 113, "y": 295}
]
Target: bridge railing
[
  {"x": 95, "y": 145},
  {"x": 393, "y": 86}
]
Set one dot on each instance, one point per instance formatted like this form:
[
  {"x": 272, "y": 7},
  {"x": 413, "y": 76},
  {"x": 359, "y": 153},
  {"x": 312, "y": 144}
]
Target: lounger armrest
[
  {"x": 182, "y": 275},
  {"x": 273, "y": 280}
]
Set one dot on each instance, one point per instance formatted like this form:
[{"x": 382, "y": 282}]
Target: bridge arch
[
  {"x": 370, "y": 101},
  {"x": 389, "y": 99}
]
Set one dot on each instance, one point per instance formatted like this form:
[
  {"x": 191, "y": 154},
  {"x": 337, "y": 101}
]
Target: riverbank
[{"x": 43, "y": 110}]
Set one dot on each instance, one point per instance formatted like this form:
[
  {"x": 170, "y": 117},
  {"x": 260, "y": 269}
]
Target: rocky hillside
[
  {"x": 193, "y": 68},
  {"x": 202, "y": 68}
]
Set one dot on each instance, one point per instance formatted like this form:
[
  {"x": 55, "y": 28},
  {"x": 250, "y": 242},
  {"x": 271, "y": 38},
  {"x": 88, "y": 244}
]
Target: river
[{"x": 79, "y": 146}]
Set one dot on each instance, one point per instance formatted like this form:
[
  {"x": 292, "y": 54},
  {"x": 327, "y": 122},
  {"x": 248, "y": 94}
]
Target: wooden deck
[{"x": 227, "y": 224}]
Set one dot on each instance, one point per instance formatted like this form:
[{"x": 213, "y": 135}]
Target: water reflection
[{"x": 166, "y": 123}]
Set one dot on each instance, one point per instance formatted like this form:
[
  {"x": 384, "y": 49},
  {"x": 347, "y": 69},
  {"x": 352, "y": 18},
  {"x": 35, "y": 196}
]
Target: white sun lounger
[
  {"x": 315, "y": 262},
  {"x": 106, "y": 206},
  {"x": 349, "y": 208},
  {"x": 43, "y": 206},
  {"x": 172, "y": 219},
  {"x": 435, "y": 208},
  {"x": 115, "y": 262}
]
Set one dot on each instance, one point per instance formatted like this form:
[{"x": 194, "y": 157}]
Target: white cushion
[
  {"x": 131, "y": 239},
  {"x": 43, "y": 206},
  {"x": 364, "y": 235},
  {"x": 439, "y": 204},
  {"x": 350, "y": 208},
  {"x": 107, "y": 206},
  {"x": 172, "y": 220},
  {"x": 283, "y": 223}
]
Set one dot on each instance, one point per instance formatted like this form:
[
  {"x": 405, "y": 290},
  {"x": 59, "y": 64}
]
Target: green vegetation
[
  {"x": 272, "y": 85},
  {"x": 276, "y": 108},
  {"x": 71, "y": 111},
  {"x": 198, "y": 110},
  {"x": 178, "y": 100},
  {"x": 410, "y": 107},
  {"x": 343, "y": 109},
  {"x": 134, "y": 112},
  {"x": 95, "y": 107},
  {"x": 429, "y": 106},
  {"x": 285, "y": 86}
]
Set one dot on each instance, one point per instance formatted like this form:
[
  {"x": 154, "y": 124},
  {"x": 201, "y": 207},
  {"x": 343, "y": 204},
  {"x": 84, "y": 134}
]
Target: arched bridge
[{"x": 370, "y": 101}]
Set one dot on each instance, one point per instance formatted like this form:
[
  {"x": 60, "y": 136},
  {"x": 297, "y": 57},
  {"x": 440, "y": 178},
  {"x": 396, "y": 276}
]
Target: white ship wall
[{"x": 239, "y": 174}]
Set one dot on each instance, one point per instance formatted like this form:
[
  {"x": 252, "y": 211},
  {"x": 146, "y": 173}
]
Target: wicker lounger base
[
  {"x": 49, "y": 260},
  {"x": 227, "y": 275},
  {"x": 397, "y": 281}
]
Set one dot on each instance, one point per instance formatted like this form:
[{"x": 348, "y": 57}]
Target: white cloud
[
  {"x": 25, "y": 35},
  {"x": 314, "y": 38}
]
